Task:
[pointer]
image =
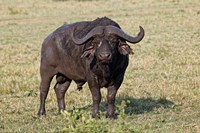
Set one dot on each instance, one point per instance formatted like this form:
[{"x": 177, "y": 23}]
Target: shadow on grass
[
  {"x": 135, "y": 106},
  {"x": 142, "y": 105}
]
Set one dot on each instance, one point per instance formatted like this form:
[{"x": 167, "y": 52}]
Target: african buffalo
[{"x": 95, "y": 52}]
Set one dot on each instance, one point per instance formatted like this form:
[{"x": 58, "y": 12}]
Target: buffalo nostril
[{"x": 106, "y": 56}]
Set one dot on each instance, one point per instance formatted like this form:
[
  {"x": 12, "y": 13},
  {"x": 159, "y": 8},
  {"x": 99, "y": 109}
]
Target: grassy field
[{"x": 161, "y": 89}]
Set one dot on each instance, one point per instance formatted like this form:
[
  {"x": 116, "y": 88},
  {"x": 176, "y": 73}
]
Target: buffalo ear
[
  {"x": 124, "y": 48},
  {"x": 88, "y": 52}
]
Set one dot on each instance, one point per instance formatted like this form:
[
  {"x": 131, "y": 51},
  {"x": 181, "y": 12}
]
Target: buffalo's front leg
[
  {"x": 96, "y": 94},
  {"x": 112, "y": 91},
  {"x": 96, "y": 97}
]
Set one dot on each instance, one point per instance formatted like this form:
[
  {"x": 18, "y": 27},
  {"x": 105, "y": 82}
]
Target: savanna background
[{"x": 161, "y": 89}]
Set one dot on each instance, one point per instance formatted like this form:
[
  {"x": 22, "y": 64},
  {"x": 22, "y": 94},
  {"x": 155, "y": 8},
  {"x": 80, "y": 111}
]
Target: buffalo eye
[
  {"x": 112, "y": 39},
  {"x": 97, "y": 42},
  {"x": 113, "y": 42}
]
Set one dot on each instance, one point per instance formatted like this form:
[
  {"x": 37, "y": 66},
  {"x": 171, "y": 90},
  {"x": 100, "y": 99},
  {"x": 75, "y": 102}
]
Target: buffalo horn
[
  {"x": 96, "y": 31},
  {"x": 132, "y": 39}
]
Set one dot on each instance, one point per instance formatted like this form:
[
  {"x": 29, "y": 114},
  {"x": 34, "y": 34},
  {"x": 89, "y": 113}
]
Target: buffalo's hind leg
[
  {"x": 60, "y": 88},
  {"x": 46, "y": 78}
]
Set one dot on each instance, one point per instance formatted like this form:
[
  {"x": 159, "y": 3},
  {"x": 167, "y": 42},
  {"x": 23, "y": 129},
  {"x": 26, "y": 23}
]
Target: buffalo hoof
[
  {"x": 60, "y": 111},
  {"x": 111, "y": 116},
  {"x": 41, "y": 113},
  {"x": 96, "y": 116}
]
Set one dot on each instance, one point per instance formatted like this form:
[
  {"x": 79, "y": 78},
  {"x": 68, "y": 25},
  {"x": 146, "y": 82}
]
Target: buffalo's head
[{"x": 106, "y": 41}]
